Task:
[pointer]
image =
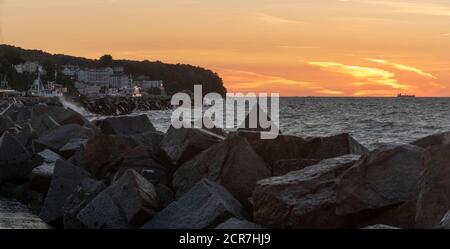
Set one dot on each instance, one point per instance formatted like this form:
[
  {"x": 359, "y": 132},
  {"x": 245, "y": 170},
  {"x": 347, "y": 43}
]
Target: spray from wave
[{"x": 75, "y": 107}]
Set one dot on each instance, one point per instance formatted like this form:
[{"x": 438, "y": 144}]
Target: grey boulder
[
  {"x": 232, "y": 163},
  {"x": 181, "y": 145},
  {"x": 66, "y": 177},
  {"x": 127, "y": 125},
  {"x": 388, "y": 176},
  {"x": 15, "y": 161},
  {"x": 55, "y": 139},
  {"x": 304, "y": 199},
  {"x": 205, "y": 206},
  {"x": 127, "y": 203},
  {"x": 433, "y": 199}
]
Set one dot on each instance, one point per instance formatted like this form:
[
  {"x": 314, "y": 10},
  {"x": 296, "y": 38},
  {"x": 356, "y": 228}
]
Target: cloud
[
  {"x": 416, "y": 8},
  {"x": 330, "y": 92},
  {"x": 402, "y": 67},
  {"x": 270, "y": 19},
  {"x": 244, "y": 80},
  {"x": 369, "y": 75}
]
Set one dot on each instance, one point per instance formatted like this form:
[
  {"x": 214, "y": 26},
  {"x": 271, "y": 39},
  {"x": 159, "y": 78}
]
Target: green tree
[{"x": 106, "y": 60}]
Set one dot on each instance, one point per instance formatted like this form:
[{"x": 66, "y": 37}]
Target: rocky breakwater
[
  {"x": 105, "y": 106},
  {"x": 121, "y": 173},
  {"x": 111, "y": 106}
]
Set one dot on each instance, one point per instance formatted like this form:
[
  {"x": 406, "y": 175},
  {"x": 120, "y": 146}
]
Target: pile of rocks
[
  {"x": 121, "y": 173},
  {"x": 109, "y": 106}
]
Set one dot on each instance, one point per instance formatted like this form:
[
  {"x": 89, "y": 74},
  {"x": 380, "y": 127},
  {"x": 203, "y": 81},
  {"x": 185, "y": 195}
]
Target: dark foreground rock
[
  {"x": 204, "y": 207},
  {"x": 6, "y": 123},
  {"x": 433, "y": 140},
  {"x": 181, "y": 145},
  {"x": 44, "y": 118},
  {"x": 15, "y": 160},
  {"x": 66, "y": 178},
  {"x": 83, "y": 194},
  {"x": 55, "y": 139},
  {"x": 401, "y": 216},
  {"x": 41, "y": 178},
  {"x": 433, "y": 199},
  {"x": 283, "y": 167},
  {"x": 14, "y": 215},
  {"x": 103, "y": 154},
  {"x": 232, "y": 163},
  {"x": 127, "y": 203},
  {"x": 303, "y": 199},
  {"x": 291, "y": 147},
  {"x": 126, "y": 125},
  {"x": 388, "y": 176},
  {"x": 238, "y": 224}
]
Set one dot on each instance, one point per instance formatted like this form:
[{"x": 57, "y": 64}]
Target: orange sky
[{"x": 294, "y": 47}]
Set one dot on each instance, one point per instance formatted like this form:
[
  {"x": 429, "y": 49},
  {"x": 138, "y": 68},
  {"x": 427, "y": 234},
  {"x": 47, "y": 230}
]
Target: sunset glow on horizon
[{"x": 294, "y": 47}]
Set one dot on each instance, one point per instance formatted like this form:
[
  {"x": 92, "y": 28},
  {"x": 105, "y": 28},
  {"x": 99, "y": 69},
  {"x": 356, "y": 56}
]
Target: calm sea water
[{"x": 372, "y": 121}]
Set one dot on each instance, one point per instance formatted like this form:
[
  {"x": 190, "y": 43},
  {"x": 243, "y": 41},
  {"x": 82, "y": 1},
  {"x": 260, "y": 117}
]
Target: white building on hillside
[
  {"x": 119, "y": 81},
  {"x": 98, "y": 77},
  {"x": 148, "y": 84},
  {"x": 28, "y": 67},
  {"x": 70, "y": 70}
]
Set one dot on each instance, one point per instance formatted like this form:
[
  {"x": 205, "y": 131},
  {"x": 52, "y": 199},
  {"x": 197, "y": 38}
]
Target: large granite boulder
[
  {"x": 71, "y": 147},
  {"x": 127, "y": 203},
  {"x": 15, "y": 161},
  {"x": 83, "y": 194},
  {"x": 253, "y": 121},
  {"x": 107, "y": 157},
  {"x": 45, "y": 117},
  {"x": 304, "y": 198},
  {"x": 18, "y": 113},
  {"x": 388, "y": 176},
  {"x": 402, "y": 216},
  {"x": 433, "y": 199},
  {"x": 205, "y": 206},
  {"x": 152, "y": 142},
  {"x": 292, "y": 147},
  {"x": 26, "y": 135},
  {"x": 6, "y": 123},
  {"x": 41, "y": 178},
  {"x": 283, "y": 167},
  {"x": 103, "y": 154},
  {"x": 127, "y": 125},
  {"x": 181, "y": 145},
  {"x": 232, "y": 163},
  {"x": 433, "y": 140},
  {"x": 66, "y": 177},
  {"x": 56, "y": 139},
  {"x": 14, "y": 215}
]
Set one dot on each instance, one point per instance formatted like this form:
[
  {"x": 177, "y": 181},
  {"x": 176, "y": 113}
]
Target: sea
[{"x": 372, "y": 121}]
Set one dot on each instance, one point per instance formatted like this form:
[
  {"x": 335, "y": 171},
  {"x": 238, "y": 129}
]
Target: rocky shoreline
[
  {"x": 120, "y": 173},
  {"x": 105, "y": 106}
]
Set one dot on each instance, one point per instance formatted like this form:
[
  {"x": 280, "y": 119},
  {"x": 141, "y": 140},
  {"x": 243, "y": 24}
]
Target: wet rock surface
[
  {"x": 388, "y": 176},
  {"x": 303, "y": 199},
  {"x": 205, "y": 206}
]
